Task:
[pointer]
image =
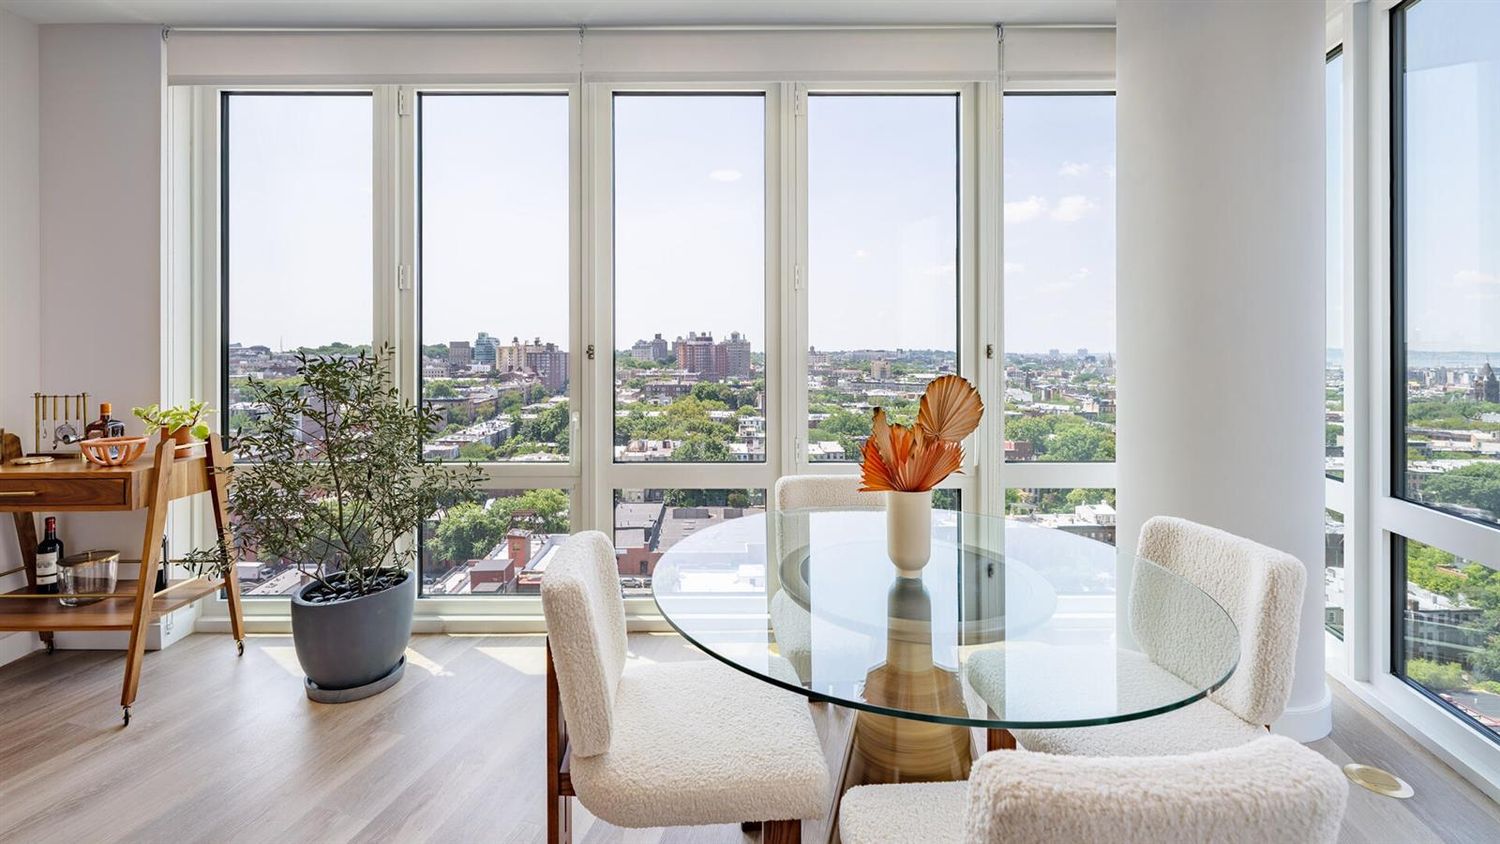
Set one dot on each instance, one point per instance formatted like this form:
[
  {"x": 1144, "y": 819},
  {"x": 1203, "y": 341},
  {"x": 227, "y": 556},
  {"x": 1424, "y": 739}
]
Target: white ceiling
[{"x": 528, "y": 13}]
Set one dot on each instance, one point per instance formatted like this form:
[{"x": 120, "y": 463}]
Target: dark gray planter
[{"x": 349, "y": 645}]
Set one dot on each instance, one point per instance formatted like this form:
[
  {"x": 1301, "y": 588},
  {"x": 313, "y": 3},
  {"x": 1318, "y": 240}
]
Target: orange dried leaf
[
  {"x": 951, "y": 408},
  {"x": 880, "y": 434},
  {"x": 875, "y": 476}
]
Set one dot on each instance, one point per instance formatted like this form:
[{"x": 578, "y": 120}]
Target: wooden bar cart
[{"x": 72, "y": 486}]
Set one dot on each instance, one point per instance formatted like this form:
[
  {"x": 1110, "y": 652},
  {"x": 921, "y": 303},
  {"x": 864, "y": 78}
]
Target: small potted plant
[
  {"x": 180, "y": 422},
  {"x": 332, "y": 480}
]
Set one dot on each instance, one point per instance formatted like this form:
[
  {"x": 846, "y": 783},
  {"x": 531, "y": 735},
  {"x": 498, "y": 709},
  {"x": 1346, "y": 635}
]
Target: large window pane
[
  {"x": 494, "y": 274},
  {"x": 500, "y": 543},
  {"x": 296, "y": 243},
  {"x": 882, "y": 251},
  {"x": 1450, "y": 629},
  {"x": 1060, "y": 277},
  {"x": 1088, "y": 512},
  {"x": 689, "y": 271},
  {"x": 1333, "y": 572},
  {"x": 1447, "y": 255},
  {"x": 648, "y": 522},
  {"x": 1333, "y": 370}
]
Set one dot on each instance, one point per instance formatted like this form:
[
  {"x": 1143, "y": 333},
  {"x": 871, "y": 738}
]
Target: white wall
[
  {"x": 1220, "y": 285},
  {"x": 102, "y": 95},
  {"x": 20, "y": 292}
]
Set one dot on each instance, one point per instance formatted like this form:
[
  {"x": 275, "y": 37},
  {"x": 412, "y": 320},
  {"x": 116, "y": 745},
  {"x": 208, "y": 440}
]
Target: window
[
  {"x": 1450, "y": 630},
  {"x": 1445, "y": 258},
  {"x": 689, "y": 278},
  {"x": 296, "y": 253},
  {"x": 1333, "y": 369},
  {"x": 648, "y": 522},
  {"x": 1333, "y": 572},
  {"x": 296, "y": 248},
  {"x": 1059, "y": 270},
  {"x": 882, "y": 257},
  {"x": 1082, "y": 511},
  {"x": 498, "y": 544},
  {"x": 495, "y": 274}
]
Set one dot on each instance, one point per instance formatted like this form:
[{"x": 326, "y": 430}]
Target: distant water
[
  {"x": 1455, "y": 360},
  {"x": 1423, "y": 359}
]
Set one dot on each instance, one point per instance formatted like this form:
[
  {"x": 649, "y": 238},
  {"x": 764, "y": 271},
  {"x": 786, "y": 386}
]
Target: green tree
[
  {"x": 698, "y": 448},
  {"x": 1080, "y": 444},
  {"x": 1475, "y": 485},
  {"x": 1438, "y": 676}
]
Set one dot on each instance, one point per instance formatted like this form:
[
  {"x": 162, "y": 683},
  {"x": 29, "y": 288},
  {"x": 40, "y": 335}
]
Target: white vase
[{"x": 908, "y": 530}]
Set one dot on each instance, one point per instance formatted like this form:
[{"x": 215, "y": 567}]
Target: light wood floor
[{"x": 226, "y": 749}]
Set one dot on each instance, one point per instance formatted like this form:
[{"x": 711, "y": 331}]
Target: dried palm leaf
[
  {"x": 880, "y": 434},
  {"x": 951, "y": 408},
  {"x": 875, "y": 476}
]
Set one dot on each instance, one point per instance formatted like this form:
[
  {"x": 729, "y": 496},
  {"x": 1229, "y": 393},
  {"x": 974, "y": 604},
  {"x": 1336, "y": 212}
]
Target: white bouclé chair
[
  {"x": 1271, "y": 789},
  {"x": 673, "y": 744},
  {"x": 790, "y": 621},
  {"x": 805, "y": 492},
  {"x": 1260, "y": 588}
]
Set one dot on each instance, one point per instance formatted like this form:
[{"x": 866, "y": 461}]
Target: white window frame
[
  {"x": 606, "y": 475},
  {"x": 971, "y": 195},
  {"x": 1034, "y": 474},
  {"x": 590, "y": 475},
  {"x": 1374, "y": 517}
]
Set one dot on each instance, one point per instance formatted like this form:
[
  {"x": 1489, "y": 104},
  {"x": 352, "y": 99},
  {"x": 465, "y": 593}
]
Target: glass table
[{"x": 1010, "y": 625}]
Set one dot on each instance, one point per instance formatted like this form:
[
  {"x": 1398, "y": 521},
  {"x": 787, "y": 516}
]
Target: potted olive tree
[{"x": 331, "y": 478}]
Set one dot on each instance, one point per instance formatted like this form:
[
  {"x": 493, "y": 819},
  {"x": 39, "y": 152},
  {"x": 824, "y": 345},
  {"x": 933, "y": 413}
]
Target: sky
[
  {"x": 1333, "y": 175},
  {"x": 1059, "y": 223},
  {"x": 1453, "y": 177},
  {"x": 689, "y": 213},
  {"x": 882, "y": 218},
  {"x": 882, "y": 230},
  {"x": 300, "y": 253}
]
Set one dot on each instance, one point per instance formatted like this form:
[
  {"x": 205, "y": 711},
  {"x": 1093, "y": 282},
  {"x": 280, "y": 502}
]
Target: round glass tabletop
[{"x": 1010, "y": 625}]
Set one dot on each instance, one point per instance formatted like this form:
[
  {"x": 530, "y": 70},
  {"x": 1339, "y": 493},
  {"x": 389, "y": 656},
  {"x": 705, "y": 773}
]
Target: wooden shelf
[{"x": 108, "y": 614}]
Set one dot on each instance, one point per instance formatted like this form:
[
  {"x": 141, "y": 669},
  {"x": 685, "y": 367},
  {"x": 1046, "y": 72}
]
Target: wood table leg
[
  {"x": 999, "y": 740},
  {"x": 26, "y": 538},
  {"x": 10, "y": 448},
  {"x": 219, "y": 464},
  {"x": 156, "y": 522}
]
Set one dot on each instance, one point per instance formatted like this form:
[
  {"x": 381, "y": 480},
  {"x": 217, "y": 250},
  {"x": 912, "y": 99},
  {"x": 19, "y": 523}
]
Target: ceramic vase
[{"x": 908, "y": 530}]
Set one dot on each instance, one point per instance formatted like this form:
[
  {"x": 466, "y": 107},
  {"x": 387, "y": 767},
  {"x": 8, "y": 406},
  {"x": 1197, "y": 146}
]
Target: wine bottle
[
  {"x": 49, "y": 552},
  {"x": 161, "y": 570}
]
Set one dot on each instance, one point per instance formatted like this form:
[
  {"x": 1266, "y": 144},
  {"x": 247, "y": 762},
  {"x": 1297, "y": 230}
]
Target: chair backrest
[
  {"x": 800, "y": 492},
  {"x": 1270, "y": 789},
  {"x": 586, "y": 632},
  {"x": 1261, "y": 589}
]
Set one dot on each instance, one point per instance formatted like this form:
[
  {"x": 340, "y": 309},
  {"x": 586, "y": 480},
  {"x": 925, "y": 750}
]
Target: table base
[{"x": 894, "y": 750}]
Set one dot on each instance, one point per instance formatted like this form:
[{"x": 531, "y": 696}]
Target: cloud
[
  {"x": 1073, "y": 169},
  {"x": 860, "y": 253},
  {"x": 1476, "y": 277},
  {"x": 725, "y": 175},
  {"x": 1012, "y": 268},
  {"x": 940, "y": 269},
  {"x": 1024, "y": 210},
  {"x": 1071, "y": 209},
  {"x": 1080, "y": 274}
]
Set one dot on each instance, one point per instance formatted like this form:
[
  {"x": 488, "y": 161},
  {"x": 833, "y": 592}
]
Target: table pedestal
[{"x": 890, "y": 750}]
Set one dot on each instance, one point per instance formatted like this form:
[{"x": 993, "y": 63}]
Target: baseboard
[
  {"x": 13, "y": 646},
  {"x": 1307, "y": 723}
]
